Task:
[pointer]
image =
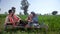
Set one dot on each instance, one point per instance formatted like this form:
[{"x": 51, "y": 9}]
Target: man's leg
[
  {"x": 22, "y": 23},
  {"x": 6, "y": 25}
]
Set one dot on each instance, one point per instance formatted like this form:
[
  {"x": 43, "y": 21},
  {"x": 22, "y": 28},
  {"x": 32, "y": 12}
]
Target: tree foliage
[
  {"x": 54, "y": 12},
  {"x": 24, "y": 6}
]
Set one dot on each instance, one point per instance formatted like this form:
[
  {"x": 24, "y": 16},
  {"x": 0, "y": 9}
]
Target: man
[
  {"x": 20, "y": 22},
  {"x": 13, "y": 9},
  {"x": 11, "y": 19}
]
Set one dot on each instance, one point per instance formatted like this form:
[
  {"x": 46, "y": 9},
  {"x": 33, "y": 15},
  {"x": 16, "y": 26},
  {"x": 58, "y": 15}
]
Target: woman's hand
[{"x": 29, "y": 20}]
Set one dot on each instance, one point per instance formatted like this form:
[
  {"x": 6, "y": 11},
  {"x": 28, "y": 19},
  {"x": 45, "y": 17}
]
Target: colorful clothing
[{"x": 12, "y": 19}]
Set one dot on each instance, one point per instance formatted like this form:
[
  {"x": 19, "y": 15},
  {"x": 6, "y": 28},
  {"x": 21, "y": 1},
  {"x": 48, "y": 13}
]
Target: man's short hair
[
  {"x": 13, "y": 8},
  {"x": 10, "y": 11}
]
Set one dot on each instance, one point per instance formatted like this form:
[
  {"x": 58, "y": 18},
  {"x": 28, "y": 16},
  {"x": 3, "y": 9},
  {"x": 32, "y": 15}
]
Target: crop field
[{"x": 53, "y": 22}]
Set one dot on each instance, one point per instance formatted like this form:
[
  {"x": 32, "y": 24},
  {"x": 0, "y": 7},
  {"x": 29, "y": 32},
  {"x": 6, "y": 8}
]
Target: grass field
[{"x": 53, "y": 21}]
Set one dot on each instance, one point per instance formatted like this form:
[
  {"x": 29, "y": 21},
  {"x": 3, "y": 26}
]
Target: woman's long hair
[{"x": 33, "y": 13}]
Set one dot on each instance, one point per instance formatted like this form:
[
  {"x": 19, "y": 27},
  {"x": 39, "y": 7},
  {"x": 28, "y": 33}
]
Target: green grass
[{"x": 53, "y": 21}]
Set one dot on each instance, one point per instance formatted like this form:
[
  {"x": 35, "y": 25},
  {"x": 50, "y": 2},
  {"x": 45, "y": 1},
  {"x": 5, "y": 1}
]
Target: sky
[{"x": 38, "y": 6}]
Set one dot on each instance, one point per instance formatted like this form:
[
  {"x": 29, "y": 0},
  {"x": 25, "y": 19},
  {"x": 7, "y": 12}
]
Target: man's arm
[
  {"x": 6, "y": 20},
  {"x": 19, "y": 18}
]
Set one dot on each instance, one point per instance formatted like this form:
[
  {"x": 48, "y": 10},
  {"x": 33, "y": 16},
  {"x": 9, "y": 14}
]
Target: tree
[
  {"x": 25, "y": 6},
  {"x": 6, "y": 13},
  {"x": 20, "y": 13},
  {"x": 54, "y": 12}
]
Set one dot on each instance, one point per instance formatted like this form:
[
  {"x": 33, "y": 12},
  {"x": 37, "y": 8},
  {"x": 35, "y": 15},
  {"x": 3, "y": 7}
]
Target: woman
[{"x": 32, "y": 20}]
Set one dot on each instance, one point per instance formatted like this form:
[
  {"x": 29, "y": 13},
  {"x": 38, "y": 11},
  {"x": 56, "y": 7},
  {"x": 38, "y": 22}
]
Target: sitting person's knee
[{"x": 8, "y": 24}]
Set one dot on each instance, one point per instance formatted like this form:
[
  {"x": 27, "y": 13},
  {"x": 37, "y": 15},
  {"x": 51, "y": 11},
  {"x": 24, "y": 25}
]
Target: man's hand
[
  {"x": 6, "y": 23},
  {"x": 19, "y": 20}
]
